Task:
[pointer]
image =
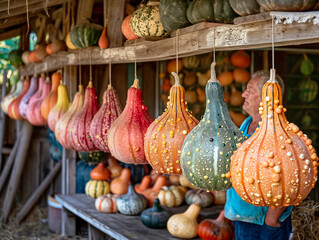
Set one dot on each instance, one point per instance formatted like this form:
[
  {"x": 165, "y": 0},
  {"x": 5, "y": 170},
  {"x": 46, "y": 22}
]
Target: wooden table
[{"x": 116, "y": 226}]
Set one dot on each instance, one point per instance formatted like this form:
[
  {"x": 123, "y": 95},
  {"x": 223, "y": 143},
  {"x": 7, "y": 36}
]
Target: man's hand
[{"x": 273, "y": 215}]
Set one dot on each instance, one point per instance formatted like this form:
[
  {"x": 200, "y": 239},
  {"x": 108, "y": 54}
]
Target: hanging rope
[
  {"x": 135, "y": 74},
  {"x": 273, "y": 41},
  {"x": 28, "y": 23},
  {"x": 80, "y": 70},
  {"x": 110, "y": 69},
  {"x": 8, "y": 7},
  {"x": 90, "y": 66},
  {"x": 214, "y": 49},
  {"x": 176, "y": 49},
  {"x": 46, "y": 8}
]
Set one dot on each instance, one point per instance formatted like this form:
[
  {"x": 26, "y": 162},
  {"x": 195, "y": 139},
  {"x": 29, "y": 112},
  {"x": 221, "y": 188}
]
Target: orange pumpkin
[
  {"x": 100, "y": 172},
  {"x": 240, "y": 59},
  {"x": 48, "y": 49},
  {"x": 277, "y": 165},
  {"x": 166, "y": 85},
  {"x": 171, "y": 66},
  {"x": 33, "y": 57},
  {"x": 120, "y": 184},
  {"x": 241, "y": 75},
  {"x": 225, "y": 78},
  {"x": 165, "y": 136},
  {"x": 40, "y": 51}
]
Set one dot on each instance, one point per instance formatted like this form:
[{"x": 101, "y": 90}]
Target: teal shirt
[{"x": 237, "y": 209}]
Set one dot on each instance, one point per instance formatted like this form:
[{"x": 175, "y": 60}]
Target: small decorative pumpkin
[
  {"x": 284, "y": 169},
  {"x": 308, "y": 90},
  {"x": 104, "y": 118},
  {"x": 225, "y": 78},
  {"x": 145, "y": 184},
  {"x": 127, "y": 29},
  {"x": 85, "y": 35},
  {"x": 96, "y": 188},
  {"x": 151, "y": 193},
  {"x": 107, "y": 204},
  {"x": 165, "y": 136},
  {"x": 126, "y": 135},
  {"x": 240, "y": 59},
  {"x": 114, "y": 167},
  {"x": 241, "y": 75},
  {"x": 103, "y": 40},
  {"x": 131, "y": 203},
  {"x": 287, "y": 5},
  {"x": 23, "y": 107},
  {"x": 172, "y": 196},
  {"x": 80, "y": 129},
  {"x": 217, "y": 229},
  {"x": 199, "y": 197},
  {"x": 155, "y": 217},
  {"x": 219, "y": 197},
  {"x": 120, "y": 184},
  {"x": 171, "y": 65},
  {"x": 246, "y": 7},
  {"x": 235, "y": 97},
  {"x": 191, "y": 62},
  {"x": 100, "y": 172},
  {"x": 184, "y": 225}
]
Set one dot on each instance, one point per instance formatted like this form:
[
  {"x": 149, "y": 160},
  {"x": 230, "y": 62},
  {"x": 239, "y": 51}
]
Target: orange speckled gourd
[
  {"x": 165, "y": 136},
  {"x": 277, "y": 165}
]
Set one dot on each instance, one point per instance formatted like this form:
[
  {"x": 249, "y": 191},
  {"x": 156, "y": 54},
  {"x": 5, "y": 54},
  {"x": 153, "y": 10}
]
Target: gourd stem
[
  {"x": 272, "y": 78},
  {"x": 109, "y": 87},
  {"x": 273, "y": 42},
  {"x": 136, "y": 84},
  {"x": 213, "y": 77},
  {"x": 90, "y": 84},
  {"x": 177, "y": 82},
  {"x": 81, "y": 90}
]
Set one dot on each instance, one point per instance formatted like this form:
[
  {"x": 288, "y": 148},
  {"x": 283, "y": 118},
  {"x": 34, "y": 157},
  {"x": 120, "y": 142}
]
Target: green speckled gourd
[
  {"x": 146, "y": 21},
  {"x": 85, "y": 35},
  {"x": 206, "y": 151}
]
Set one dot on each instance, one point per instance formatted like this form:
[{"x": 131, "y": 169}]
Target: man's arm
[{"x": 273, "y": 215}]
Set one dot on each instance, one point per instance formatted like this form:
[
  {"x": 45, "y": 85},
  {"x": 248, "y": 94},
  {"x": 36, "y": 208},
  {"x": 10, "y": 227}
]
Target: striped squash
[
  {"x": 172, "y": 196},
  {"x": 191, "y": 62},
  {"x": 199, "y": 197},
  {"x": 308, "y": 90},
  {"x": 96, "y": 188},
  {"x": 85, "y": 35},
  {"x": 107, "y": 204}
]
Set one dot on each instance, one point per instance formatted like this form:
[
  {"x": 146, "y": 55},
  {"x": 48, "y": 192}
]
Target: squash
[
  {"x": 241, "y": 75},
  {"x": 23, "y": 107},
  {"x": 15, "y": 58},
  {"x": 237, "y": 118},
  {"x": 104, "y": 118},
  {"x": 96, "y": 188},
  {"x": 308, "y": 90},
  {"x": 126, "y": 135},
  {"x": 33, "y": 57},
  {"x": 184, "y": 225},
  {"x": 63, "y": 125},
  {"x": 172, "y": 196},
  {"x": 166, "y": 85},
  {"x": 217, "y": 229},
  {"x": 145, "y": 184},
  {"x": 131, "y": 203},
  {"x": 25, "y": 57},
  {"x": 306, "y": 66},
  {"x": 107, "y": 203},
  {"x": 127, "y": 29},
  {"x": 199, "y": 197},
  {"x": 219, "y": 197},
  {"x": 103, "y": 40},
  {"x": 58, "y": 46},
  {"x": 137, "y": 171},
  {"x": 191, "y": 62},
  {"x": 68, "y": 42},
  {"x": 155, "y": 217},
  {"x": 48, "y": 49},
  {"x": 184, "y": 182},
  {"x": 203, "y": 78},
  {"x": 240, "y": 59},
  {"x": 284, "y": 169},
  {"x": 145, "y": 21},
  {"x": 85, "y": 35},
  {"x": 171, "y": 65},
  {"x": 225, "y": 78},
  {"x": 165, "y": 136},
  {"x": 236, "y": 98},
  {"x": 100, "y": 172},
  {"x": 91, "y": 157},
  {"x": 246, "y": 7},
  {"x": 287, "y": 5},
  {"x": 206, "y": 151},
  {"x": 210, "y": 11},
  {"x": 120, "y": 184},
  {"x": 60, "y": 108},
  {"x": 80, "y": 128},
  {"x": 114, "y": 167},
  {"x": 151, "y": 193},
  {"x": 40, "y": 51},
  {"x": 189, "y": 79}
]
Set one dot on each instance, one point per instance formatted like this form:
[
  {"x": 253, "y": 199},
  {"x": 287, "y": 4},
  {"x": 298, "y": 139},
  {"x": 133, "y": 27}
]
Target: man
[{"x": 253, "y": 222}]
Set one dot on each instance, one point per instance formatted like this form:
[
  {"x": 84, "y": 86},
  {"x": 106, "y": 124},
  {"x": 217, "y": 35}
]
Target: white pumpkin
[
  {"x": 25, "y": 57},
  {"x": 107, "y": 203}
]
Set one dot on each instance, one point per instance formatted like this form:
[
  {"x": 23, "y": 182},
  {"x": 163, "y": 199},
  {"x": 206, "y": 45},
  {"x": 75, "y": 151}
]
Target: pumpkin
[
  {"x": 191, "y": 62},
  {"x": 201, "y": 95},
  {"x": 114, "y": 167},
  {"x": 23, "y": 107},
  {"x": 80, "y": 128},
  {"x": 13, "y": 94},
  {"x": 127, "y": 29},
  {"x": 104, "y": 118},
  {"x": 145, "y": 184},
  {"x": 219, "y": 197},
  {"x": 58, "y": 46},
  {"x": 237, "y": 118},
  {"x": 33, "y": 57},
  {"x": 246, "y": 7},
  {"x": 225, "y": 78},
  {"x": 63, "y": 125},
  {"x": 206, "y": 151},
  {"x": 131, "y": 203},
  {"x": 120, "y": 184},
  {"x": 190, "y": 96},
  {"x": 308, "y": 90},
  {"x": 166, "y": 85},
  {"x": 100, "y": 172},
  {"x": 165, "y": 136},
  {"x": 146, "y": 21},
  {"x": 68, "y": 42},
  {"x": 189, "y": 79},
  {"x": 199, "y": 197},
  {"x": 210, "y": 11},
  {"x": 60, "y": 108},
  {"x": 184, "y": 182},
  {"x": 14, "y": 58},
  {"x": 217, "y": 229},
  {"x": 173, "y": 14},
  {"x": 240, "y": 59},
  {"x": 96, "y": 188},
  {"x": 48, "y": 49},
  {"x": 171, "y": 66},
  {"x": 151, "y": 193},
  {"x": 85, "y": 35},
  {"x": 184, "y": 225},
  {"x": 25, "y": 57},
  {"x": 126, "y": 135},
  {"x": 203, "y": 78},
  {"x": 90, "y": 157},
  {"x": 107, "y": 203},
  {"x": 103, "y": 40},
  {"x": 287, "y": 5},
  {"x": 172, "y": 196},
  {"x": 241, "y": 75},
  {"x": 284, "y": 169},
  {"x": 306, "y": 66},
  {"x": 40, "y": 51},
  {"x": 235, "y": 97},
  {"x": 50, "y": 100},
  {"x": 155, "y": 217}
]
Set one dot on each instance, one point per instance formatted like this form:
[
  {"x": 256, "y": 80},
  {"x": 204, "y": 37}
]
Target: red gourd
[
  {"x": 145, "y": 184},
  {"x": 103, "y": 40},
  {"x": 62, "y": 127},
  {"x": 100, "y": 172},
  {"x": 151, "y": 193},
  {"x": 127, "y": 29},
  {"x": 104, "y": 118},
  {"x": 126, "y": 136},
  {"x": 23, "y": 107},
  {"x": 80, "y": 128}
]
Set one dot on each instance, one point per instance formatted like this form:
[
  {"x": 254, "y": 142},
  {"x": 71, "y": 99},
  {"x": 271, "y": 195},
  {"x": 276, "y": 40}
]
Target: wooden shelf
[{"x": 249, "y": 34}]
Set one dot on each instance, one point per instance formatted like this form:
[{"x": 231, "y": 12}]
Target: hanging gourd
[
  {"x": 35, "y": 97},
  {"x": 277, "y": 165},
  {"x": 6, "y": 100},
  {"x": 23, "y": 107},
  {"x": 104, "y": 118},
  {"x": 60, "y": 108},
  {"x": 50, "y": 100},
  {"x": 207, "y": 149},
  {"x": 165, "y": 136},
  {"x": 126, "y": 135},
  {"x": 80, "y": 129}
]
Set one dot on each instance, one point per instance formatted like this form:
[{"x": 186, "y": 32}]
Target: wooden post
[
  {"x": 2, "y": 116},
  {"x": 68, "y": 222},
  {"x": 85, "y": 8},
  {"x": 95, "y": 234},
  {"x": 115, "y": 16}
]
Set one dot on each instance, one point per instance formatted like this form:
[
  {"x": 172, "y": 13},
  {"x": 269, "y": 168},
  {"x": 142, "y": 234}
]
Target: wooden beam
[
  {"x": 84, "y": 12},
  {"x": 115, "y": 16},
  {"x": 17, "y": 3},
  {"x": 2, "y": 117},
  {"x": 10, "y": 34},
  {"x": 13, "y": 21}
]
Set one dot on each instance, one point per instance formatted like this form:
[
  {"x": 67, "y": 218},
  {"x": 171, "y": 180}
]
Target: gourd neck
[
  {"x": 146, "y": 182},
  {"x": 90, "y": 85},
  {"x": 193, "y": 211},
  {"x": 160, "y": 182},
  {"x": 177, "y": 81},
  {"x": 136, "y": 84},
  {"x": 213, "y": 77},
  {"x": 130, "y": 189},
  {"x": 111, "y": 162},
  {"x": 156, "y": 206},
  {"x": 126, "y": 174},
  {"x": 109, "y": 87},
  {"x": 63, "y": 96},
  {"x": 221, "y": 216},
  {"x": 272, "y": 78},
  {"x": 81, "y": 89}
]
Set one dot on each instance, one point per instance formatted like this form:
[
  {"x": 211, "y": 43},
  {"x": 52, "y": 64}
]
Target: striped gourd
[
  {"x": 308, "y": 90},
  {"x": 106, "y": 204},
  {"x": 191, "y": 62},
  {"x": 172, "y": 196},
  {"x": 85, "y": 35},
  {"x": 96, "y": 188},
  {"x": 199, "y": 197}
]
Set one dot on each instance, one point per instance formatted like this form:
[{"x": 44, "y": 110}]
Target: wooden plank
[
  {"x": 142, "y": 40},
  {"x": 68, "y": 222},
  {"x": 259, "y": 17},
  {"x": 95, "y": 234},
  {"x": 115, "y": 18},
  {"x": 2, "y": 117},
  {"x": 196, "y": 27},
  {"x": 16, "y": 3},
  {"x": 85, "y": 8},
  {"x": 10, "y": 34}
]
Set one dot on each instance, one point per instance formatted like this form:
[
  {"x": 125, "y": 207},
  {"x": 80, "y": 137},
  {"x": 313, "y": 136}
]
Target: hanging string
[
  {"x": 8, "y": 7},
  {"x": 214, "y": 49},
  {"x": 110, "y": 69},
  {"x": 135, "y": 74},
  {"x": 28, "y": 23},
  {"x": 46, "y": 8},
  {"x": 80, "y": 70},
  {"x": 273, "y": 41},
  {"x": 176, "y": 48},
  {"x": 90, "y": 66}
]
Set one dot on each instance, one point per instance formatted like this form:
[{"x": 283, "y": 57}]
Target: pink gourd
[{"x": 23, "y": 107}]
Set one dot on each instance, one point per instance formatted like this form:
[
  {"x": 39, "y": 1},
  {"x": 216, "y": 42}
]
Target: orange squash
[
  {"x": 241, "y": 75},
  {"x": 120, "y": 184},
  {"x": 154, "y": 175},
  {"x": 225, "y": 78},
  {"x": 114, "y": 167},
  {"x": 237, "y": 118},
  {"x": 277, "y": 165},
  {"x": 127, "y": 29},
  {"x": 103, "y": 40},
  {"x": 100, "y": 172},
  {"x": 240, "y": 59},
  {"x": 33, "y": 57},
  {"x": 171, "y": 66},
  {"x": 235, "y": 98},
  {"x": 48, "y": 49},
  {"x": 151, "y": 193},
  {"x": 145, "y": 184},
  {"x": 164, "y": 137}
]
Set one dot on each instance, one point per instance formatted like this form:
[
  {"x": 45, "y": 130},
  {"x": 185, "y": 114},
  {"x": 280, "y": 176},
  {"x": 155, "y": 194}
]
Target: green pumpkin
[
  {"x": 93, "y": 157},
  {"x": 210, "y": 11},
  {"x": 96, "y": 188},
  {"x": 155, "y": 217},
  {"x": 15, "y": 58},
  {"x": 199, "y": 197},
  {"x": 306, "y": 66},
  {"x": 145, "y": 22},
  {"x": 287, "y": 5},
  {"x": 308, "y": 90},
  {"x": 206, "y": 151},
  {"x": 191, "y": 62},
  {"x": 173, "y": 14},
  {"x": 85, "y": 35},
  {"x": 245, "y": 7}
]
